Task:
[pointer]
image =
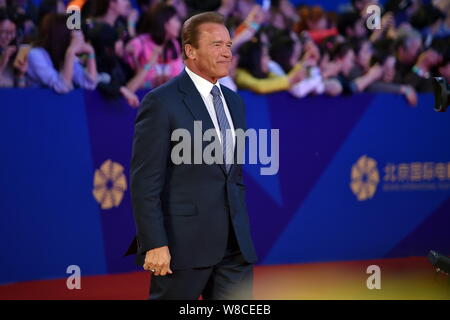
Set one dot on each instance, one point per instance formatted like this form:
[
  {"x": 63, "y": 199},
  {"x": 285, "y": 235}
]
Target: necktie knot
[{"x": 215, "y": 92}]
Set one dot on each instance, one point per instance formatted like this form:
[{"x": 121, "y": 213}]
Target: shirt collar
[{"x": 202, "y": 85}]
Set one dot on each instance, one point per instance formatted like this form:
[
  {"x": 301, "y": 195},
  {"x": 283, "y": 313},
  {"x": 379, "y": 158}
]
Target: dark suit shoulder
[
  {"x": 228, "y": 91},
  {"x": 165, "y": 90},
  {"x": 234, "y": 95}
]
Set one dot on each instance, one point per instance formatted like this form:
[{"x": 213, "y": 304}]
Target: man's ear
[{"x": 189, "y": 50}]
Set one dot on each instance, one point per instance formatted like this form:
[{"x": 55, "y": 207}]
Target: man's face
[{"x": 212, "y": 57}]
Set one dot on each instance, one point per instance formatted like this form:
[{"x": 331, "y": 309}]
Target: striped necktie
[{"x": 227, "y": 144}]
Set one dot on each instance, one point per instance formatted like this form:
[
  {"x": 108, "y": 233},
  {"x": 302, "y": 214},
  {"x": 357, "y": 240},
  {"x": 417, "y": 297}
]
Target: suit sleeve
[{"x": 149, "y": 161}]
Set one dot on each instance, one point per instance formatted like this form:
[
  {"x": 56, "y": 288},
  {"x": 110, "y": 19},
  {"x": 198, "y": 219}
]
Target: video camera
[{"x": 441, "y": 94}]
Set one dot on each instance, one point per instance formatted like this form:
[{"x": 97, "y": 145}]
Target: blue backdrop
[{"x": 360, "y": 177}]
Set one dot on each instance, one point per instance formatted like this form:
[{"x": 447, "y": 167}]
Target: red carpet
[{"x": 406, "y": 278}]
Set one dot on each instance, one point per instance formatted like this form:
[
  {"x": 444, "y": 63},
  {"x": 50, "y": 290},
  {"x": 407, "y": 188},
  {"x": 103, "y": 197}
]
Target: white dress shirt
[{"x": 204, "y": 87}]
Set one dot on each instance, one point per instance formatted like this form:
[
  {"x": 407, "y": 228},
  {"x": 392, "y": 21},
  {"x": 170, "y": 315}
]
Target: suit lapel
[
  {"x": 237, "y": 117},
  {"x": 195, "y": 104},
  {"x": 194, "y": 101},
  {"x": 234, "y": 111}
]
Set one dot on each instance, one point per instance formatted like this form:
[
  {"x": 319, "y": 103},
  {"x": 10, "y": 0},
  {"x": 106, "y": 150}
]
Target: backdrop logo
[
  {"x": 364, "y": 178},
  {"x": 109, "y": 184},
  {"x": 416, "y": 176}
]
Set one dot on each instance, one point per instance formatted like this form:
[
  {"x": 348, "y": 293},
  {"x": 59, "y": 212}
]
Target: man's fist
[{"x": 158, "y": 261}]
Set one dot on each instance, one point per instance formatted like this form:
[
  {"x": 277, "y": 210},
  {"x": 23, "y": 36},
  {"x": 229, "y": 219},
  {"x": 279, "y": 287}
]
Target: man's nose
[{"x": 227, "y": 53}]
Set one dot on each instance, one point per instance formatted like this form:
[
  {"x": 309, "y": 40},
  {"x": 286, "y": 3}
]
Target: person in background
[
  {"x": 111, "y": 12},
  {"x": 345, "y": 57},
  {"x": 50, "y": 6},
  {"x": 108, "y": 42},
  {"x": 253, "y": 70},
  {"x": 243, "y": 33},
  {"x": 416, "y": 66},
  {"x": 180, "y": 7},
  {"x": 286, "y": 52},
  {"x": 54, "y": 61},
  {"x": 407, "y": 48},
  {"x": 248, "y": 28},
  {"x": 351, "y": 24},
  {"x": 12, "y": 70},
  {"x": 227, "y": 8},
  {"x": 155, "y": 55},
  {"x": 329, "y": 68},
  {"x": 383, "y": 56},
  {"x": 359, "y": 6},
  {"x": 316, "y": 22},
  {"x": 105, "y": 19},
  {"x": 24, "y": 14},
  {"x": 242, "y": 9},
  {"x": 277, "y": 19},
  {"x": 363, "y": 53},
  {"x": 114, "y": 72},
  {"x": 431, "y": 22}
]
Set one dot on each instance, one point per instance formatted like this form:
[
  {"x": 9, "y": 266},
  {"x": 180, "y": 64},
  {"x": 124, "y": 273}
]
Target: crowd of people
[{"x": 122, "y": 47}]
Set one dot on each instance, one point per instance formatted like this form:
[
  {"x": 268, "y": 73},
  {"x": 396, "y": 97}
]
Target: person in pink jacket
[{"x": 155, "y": 54}]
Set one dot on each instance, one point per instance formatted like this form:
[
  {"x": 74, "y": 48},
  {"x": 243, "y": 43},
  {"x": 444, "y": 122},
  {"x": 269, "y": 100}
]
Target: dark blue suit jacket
[{"x": 187, "y": 206}]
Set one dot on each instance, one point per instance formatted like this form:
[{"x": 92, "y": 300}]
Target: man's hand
[{"x": 158, "y": 261}]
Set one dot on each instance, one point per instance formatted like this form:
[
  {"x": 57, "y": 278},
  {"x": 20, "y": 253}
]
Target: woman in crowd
[
  {"x": 12, "y": 69},
  {"x": 54, "y": 59},
  {"x": 114, "y": 72},
  {"x": 286, "y": 52},
  {"x": 107, "y": 36},
  {"x": 155, "y": 55},
  {"x": 253, "y": 70}
]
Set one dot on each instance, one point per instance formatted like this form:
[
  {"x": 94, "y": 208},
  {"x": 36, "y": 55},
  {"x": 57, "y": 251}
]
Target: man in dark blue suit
[{"x": 192, "y": 225}]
